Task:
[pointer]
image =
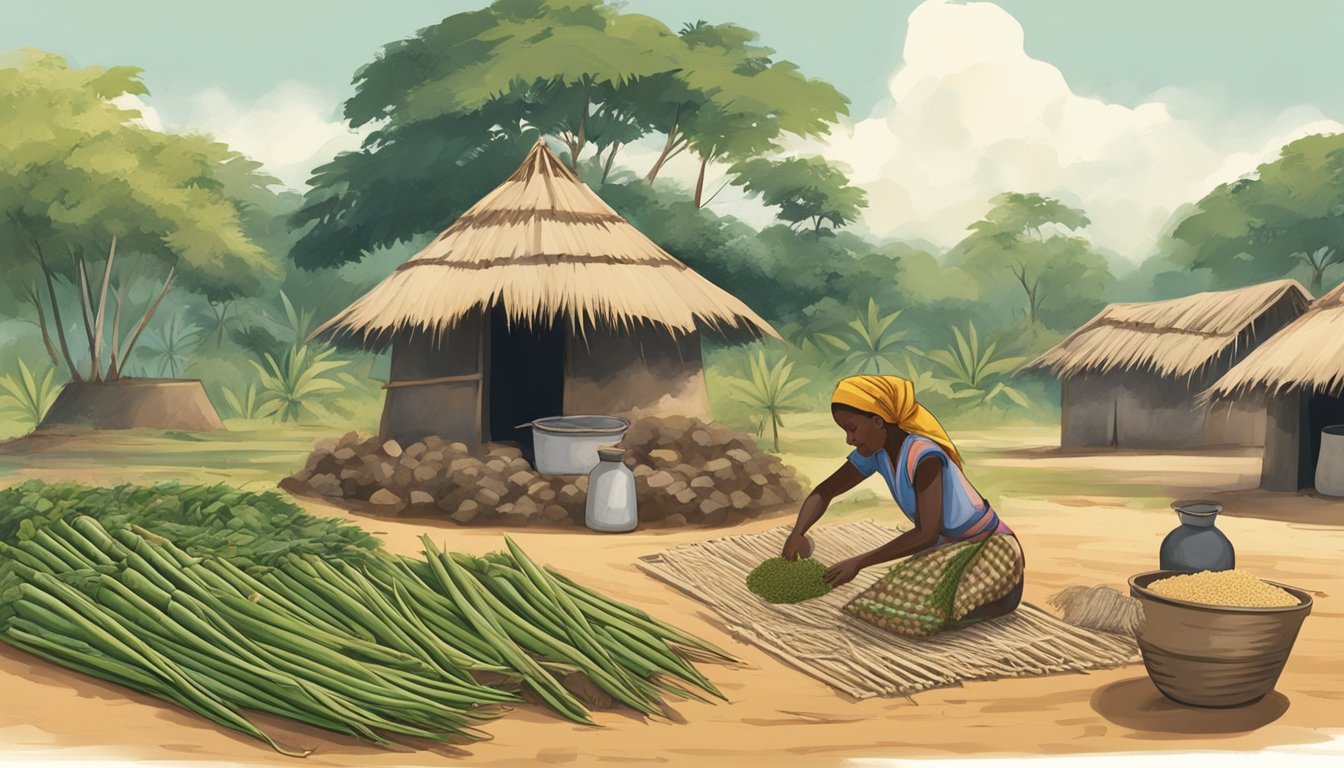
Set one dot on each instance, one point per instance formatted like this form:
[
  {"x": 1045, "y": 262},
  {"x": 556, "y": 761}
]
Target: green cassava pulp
[{"x": 788, "y": 581}]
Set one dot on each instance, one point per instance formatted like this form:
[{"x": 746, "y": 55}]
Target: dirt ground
[{"x": 1082, "y": 519}]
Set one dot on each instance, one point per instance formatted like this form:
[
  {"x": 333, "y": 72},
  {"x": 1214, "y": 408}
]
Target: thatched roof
[
  {"x": 545, "y": 246},
  {"x": 1307, "y": 355},
  {"x": 1173, "y": 338}
]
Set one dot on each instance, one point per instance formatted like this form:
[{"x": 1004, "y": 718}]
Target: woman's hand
[
  {"x": 797, "y": 546},
  {"x": 843, "y": 572}
]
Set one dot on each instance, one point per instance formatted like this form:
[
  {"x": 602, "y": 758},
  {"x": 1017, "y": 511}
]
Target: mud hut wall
[
  {"x": 1286, "y": 442},
  {"x": 1087, "y": 412},
  {"x": 435, "y": 386},
  {"x": 1153, "y": 411},
  {"x": 1238, "y": 423},
  {"x": 635, "y": 373}
]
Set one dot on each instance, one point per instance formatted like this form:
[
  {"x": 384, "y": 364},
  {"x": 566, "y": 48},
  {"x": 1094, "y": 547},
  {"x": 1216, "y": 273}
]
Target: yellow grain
[{"x": 1234, "y": 589}]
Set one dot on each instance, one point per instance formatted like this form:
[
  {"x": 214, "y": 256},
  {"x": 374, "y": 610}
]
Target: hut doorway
[
  {"x": 1322, "y": 411},
  {"x": 525, "y": 377}
]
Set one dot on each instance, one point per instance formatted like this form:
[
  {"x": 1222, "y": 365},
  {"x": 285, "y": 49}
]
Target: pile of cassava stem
[{"x": 324, "y": 630}]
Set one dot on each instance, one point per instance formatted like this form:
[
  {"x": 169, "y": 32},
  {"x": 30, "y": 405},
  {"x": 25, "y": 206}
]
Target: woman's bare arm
[{"x": 814, "y": 506}]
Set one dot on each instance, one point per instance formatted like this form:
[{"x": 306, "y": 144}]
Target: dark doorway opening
[
  {"x": 526, "y": 377},
  {"x": 1322, "y": 411}
]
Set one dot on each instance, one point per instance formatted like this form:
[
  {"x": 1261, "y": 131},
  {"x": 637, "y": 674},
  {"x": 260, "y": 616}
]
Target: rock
[
  {"x": 493, "y": 484},
  {"x": 570, "y": 493},
  {"x": 426, "y": 472},
  {"x": 349, "y": 439},
  {"x": 545, "y": 496},
  {"x": 401, "y": 477},
  {"x": 325, "y": 484},
  {"x": 343, "y": 454},
  {"x": 739, "y": 500},
  {"x": 497, "y": 465},
  {"x": 408, "y": 462},
  {"x": 675, "y": 520},
  {"x": 643, "y": 470},
  {"x": 665, "y": 456},
  {"x": 521, "y": 479},
  {"x": 788, "y": 471},
  {"x": 504, "y": 509},
  {"x": 719, "y": 497},
  {"x": 710, "y": 506},
  {"x": 555, "y": 513},
  {"x": 467, "y": 476},
  {"x": 702, "y": 438},
  {"x": 675, "y": 488},
  {"x": 507, "y": 452},
  {"x": 487, "y": 498},
  {"x": 769, "y": 498},
  {"x": 686, "y": 470},
  {"x": 660, "y": 479},
  {"x": 526, "y": 508},
  {"x": 759, "y": 479},
  {"x": 686, "y": 497},
  {"x": 416, "y": 450},
  {"x": 326, "y": 445},
  {"x": 738, "y": 455},
  {"x": 520, "y": 465},
  {"x": 459, "y": 448},
  {"x": 466, "y": 511},
  {"x": 703, "y": 481},
  {"x": 392, "y": 448},
  {"x": 433, "y": 457},
  {"x": 433, "y": 442},
  {"x": 420, "y": 497},
  {"x": 718, "y": 465},
  {"x": 582, "y": 482},
  {"x": 385, "y": 498},
  {"x": 457, "y": 465}
]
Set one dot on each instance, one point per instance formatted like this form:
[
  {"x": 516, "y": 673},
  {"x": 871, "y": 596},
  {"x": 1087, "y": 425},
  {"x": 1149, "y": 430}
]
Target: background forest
[{"x": 130, "y": 252}]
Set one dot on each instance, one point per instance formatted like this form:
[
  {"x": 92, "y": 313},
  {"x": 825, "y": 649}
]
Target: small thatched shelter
[
  {"x": 1301, "y": 372},
  {"x": 1131, "y": 376},
  {"x": 540, "y": 300}
]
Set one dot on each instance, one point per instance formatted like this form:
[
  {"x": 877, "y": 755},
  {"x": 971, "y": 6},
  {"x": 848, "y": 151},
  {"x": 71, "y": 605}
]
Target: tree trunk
[
  {"x": 700, "y": 180},
  {"x": 666, "y": 154},
  {"x": 33, "y": 296},
  {"x": 144, "y": 321},
  {"x": 102, "y": 308},
  {"x": 113, "y": 368},
  {"x": 774, "y": 428},
  {"x": 56, "y": 315},
  {"x": 611, "y": 158},
  {"x": 86, "y": 311}
]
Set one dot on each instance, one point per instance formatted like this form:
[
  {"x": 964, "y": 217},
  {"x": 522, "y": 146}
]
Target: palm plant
[
  {"x": 298, "y": 382},
  {"x": 299, "y": 320},
  {"x": 772, "y": 391},
  {"x": 868, "y": 341},
  {"x": 170, "y": 345},
  {"x": 27, "y": 395},
  {"x": 973, "y": 372},
  {"x": 246, "y": 403}
]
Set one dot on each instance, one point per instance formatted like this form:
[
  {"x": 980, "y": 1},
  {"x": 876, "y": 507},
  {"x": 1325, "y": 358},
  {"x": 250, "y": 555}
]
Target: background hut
[
  {"x": 1131, "y": 377},
  {"x": 1301, "y": 372},
  {"x": 540, "y": 300}
]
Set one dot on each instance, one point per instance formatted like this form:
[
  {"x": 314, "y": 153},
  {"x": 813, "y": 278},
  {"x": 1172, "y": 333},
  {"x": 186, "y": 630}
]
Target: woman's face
[{"x": 866, "y": 433}]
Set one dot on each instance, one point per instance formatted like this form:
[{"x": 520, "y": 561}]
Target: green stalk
[{"x": 76, "y": 539}]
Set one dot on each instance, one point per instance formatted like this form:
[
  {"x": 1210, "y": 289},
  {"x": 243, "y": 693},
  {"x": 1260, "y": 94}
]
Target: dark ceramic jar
[{"x": 1197, "y": 545}]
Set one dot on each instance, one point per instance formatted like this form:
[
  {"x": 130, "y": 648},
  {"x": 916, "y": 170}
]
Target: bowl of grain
[{"x": 1216, "y": 639}]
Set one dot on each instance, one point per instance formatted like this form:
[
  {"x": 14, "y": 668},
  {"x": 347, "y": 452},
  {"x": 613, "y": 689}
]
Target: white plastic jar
[{"x": 612, "y": 507}]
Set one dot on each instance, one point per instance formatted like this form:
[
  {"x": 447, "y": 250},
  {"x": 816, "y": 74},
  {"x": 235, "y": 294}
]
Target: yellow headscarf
[{"x": 893, "y": 398}]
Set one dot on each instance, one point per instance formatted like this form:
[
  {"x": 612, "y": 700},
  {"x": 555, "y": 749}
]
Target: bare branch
[
  {"x": 102, "y": 308},
  {"x": 56, "y": 313},
  {"x": 144, "y": 321}
]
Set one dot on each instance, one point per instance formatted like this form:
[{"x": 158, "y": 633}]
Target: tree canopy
[
  {"x": 1289, "y": 215},
  {"x": 78, "y": 179},
  {"x": 456, "y": 105}
]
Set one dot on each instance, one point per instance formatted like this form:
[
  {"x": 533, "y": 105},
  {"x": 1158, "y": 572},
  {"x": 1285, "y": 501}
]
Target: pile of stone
[{"x": 686, "y": 472}]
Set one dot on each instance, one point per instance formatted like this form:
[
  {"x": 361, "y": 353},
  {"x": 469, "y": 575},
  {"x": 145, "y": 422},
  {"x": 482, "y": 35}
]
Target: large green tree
[
  {"x": 456, "y": 105},
  {"x": 1288, "y": 216},
  {"x": 91, "y": 200},
  {"x": 807, "y": 190},
  {"x": 1026, "y": 241}
]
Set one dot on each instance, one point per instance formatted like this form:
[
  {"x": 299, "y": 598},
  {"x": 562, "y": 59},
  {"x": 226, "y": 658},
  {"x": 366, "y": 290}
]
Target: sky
[{"x": 1126, "y": 109}]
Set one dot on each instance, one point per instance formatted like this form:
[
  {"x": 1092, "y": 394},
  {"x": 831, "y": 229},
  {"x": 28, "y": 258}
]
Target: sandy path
[{"x": 780, "y": 717}]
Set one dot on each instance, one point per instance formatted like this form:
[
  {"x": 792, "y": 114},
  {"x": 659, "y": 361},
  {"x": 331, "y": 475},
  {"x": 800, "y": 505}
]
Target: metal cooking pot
[{"x": 567, "y": 445}]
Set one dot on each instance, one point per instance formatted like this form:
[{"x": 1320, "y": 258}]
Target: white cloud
[
  {"x": 149, "y": 116},
  {"x": 291, "y": 130},
  {"x": 973, "y": 115}
]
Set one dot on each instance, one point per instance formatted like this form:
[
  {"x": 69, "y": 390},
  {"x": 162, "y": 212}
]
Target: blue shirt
[{"x": 963, "y": 506}]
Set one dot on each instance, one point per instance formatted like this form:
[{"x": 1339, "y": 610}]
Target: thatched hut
[
  {"x": 1131, "y": 376},
  {"x": 540, "y": 300},
  {"x": 1301, "y": 372}
]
